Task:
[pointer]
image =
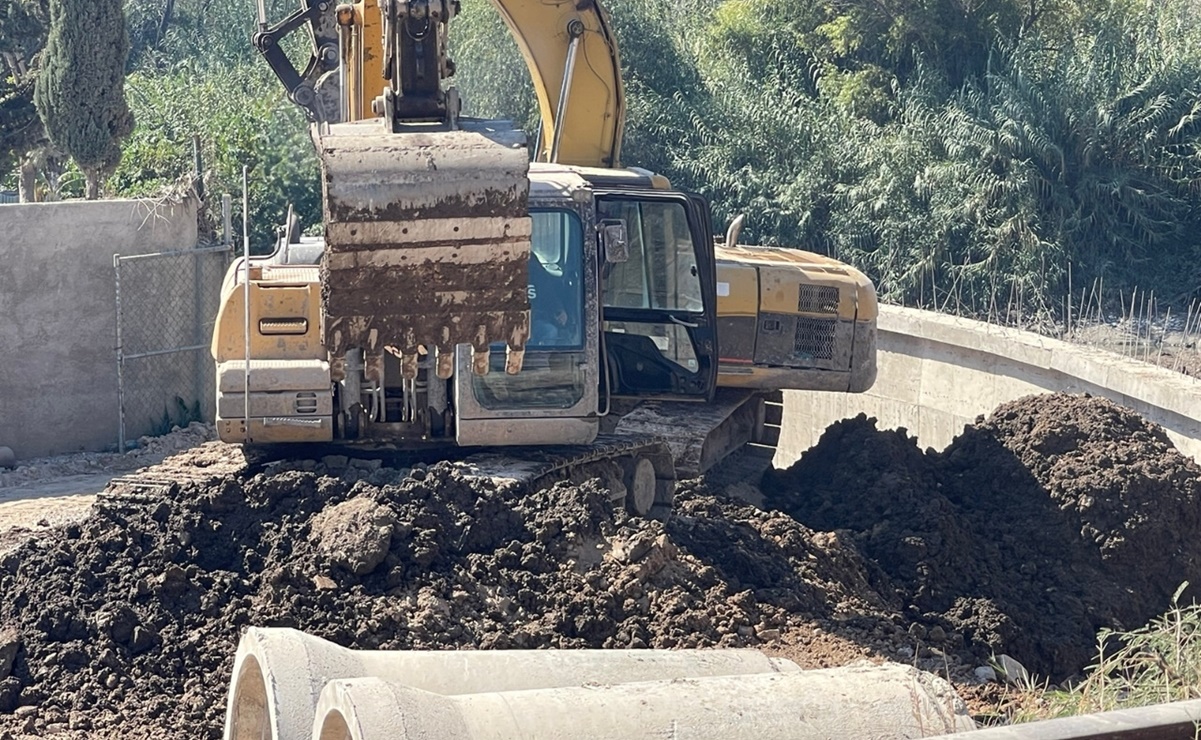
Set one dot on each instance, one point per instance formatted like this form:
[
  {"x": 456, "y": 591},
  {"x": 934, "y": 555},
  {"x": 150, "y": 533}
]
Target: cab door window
[
  {"x": 657, "y": 327},
  {"x": 554, "y": 292},
  {"x": 662, "y": 272}
]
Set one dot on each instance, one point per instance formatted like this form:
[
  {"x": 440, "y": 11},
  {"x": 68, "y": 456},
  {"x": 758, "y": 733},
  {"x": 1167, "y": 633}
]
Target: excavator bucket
[{"x": 427, "y": 237}]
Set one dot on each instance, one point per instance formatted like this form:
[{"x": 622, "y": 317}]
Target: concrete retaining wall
[
  {"x": 938, "y": 373},
  {"x": 58, "y": 378}
]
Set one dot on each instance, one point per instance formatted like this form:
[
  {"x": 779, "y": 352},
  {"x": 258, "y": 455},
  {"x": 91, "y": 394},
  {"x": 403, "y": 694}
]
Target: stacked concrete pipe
[
  {"x": 280, "y": 673},
  {"x": 291, "y": 686},
  {"x": 891, "y": 701}
]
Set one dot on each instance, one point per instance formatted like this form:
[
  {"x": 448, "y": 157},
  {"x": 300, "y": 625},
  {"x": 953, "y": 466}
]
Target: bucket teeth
[
  {"x": 446, "y": 363},
  {"x": 427, "y": 238}
]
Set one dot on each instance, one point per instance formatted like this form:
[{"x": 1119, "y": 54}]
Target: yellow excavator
[
  {"x": 464, "y": 295},
  {"x": 531, "y": 316}
]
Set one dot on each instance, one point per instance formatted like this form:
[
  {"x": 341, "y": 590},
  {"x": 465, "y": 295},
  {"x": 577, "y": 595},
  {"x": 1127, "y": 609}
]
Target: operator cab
[
  {"x": 659, "y": 303},
  {"x": 651, "y": 336}
]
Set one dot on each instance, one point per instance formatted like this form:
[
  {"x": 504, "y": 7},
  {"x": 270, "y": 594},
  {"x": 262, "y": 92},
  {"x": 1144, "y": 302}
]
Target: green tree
[
  {"x": 242, "y": 118},
  {"x": 21, "y": 133},
  {"x": 23, "y": 29},
  {"x": 80, "y": 92}
]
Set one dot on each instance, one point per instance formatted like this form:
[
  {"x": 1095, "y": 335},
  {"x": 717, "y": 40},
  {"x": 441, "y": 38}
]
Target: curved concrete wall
[
  {"x": 938, "y": 373},
  {"x": 58, "y": 376}
]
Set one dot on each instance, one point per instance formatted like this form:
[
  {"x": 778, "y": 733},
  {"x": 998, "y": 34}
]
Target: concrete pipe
[
  {"x": 279, "y": 674},
  {"x": 7, "y": 458},
  {"x": 862, "y": 702}
]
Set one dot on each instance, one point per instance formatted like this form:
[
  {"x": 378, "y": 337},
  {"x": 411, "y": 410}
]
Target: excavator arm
[
  {"x": 568, "y": 46},
  {"x": 572, "y": 56}
]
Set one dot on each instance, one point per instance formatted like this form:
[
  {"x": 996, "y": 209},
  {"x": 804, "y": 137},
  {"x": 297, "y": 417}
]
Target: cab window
[
  {"x": 554, "y": 375},
  {"x": 662, "y": 272},
  {"x": 554, "y": 288}
]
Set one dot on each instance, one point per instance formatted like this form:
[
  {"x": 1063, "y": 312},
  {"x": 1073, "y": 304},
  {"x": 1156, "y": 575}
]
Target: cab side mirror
[{"x": 614, "y": 242}]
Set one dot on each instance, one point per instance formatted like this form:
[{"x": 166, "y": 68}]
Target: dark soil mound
[
  {"x": 127, "y": 624},
  {"x": 1058, "y": 516}
]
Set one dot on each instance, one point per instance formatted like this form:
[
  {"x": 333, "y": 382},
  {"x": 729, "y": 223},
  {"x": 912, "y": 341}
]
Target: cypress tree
[
  {"x": 24, "y": 25},
  {"x": 80, "y": 92}
]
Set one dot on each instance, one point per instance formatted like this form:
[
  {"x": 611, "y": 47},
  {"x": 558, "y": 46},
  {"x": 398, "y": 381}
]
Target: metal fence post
[
  {"x": 120, "y": 359},
  {"x": 166, "y": 304}
]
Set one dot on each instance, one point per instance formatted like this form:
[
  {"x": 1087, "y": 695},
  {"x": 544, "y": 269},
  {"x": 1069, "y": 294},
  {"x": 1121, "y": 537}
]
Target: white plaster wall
[{"x": 58, "y": 377}]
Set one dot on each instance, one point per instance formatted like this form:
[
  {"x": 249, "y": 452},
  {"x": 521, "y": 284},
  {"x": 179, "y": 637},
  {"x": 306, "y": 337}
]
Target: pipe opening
[
  {"x": 334, "y": 727},
  {"x": 249, "y": 711}
]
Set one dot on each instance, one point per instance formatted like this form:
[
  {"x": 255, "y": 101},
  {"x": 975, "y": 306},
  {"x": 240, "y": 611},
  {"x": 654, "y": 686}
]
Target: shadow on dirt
[{"x": 1057, "y": 517}]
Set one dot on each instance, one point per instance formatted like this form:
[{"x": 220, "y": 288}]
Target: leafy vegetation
[
  {"x": 964, "y": 154},
  {"x": 234, "y": 128},
  {"x": 24, "y": 25},
  {"x": 1158, "y": 663}
]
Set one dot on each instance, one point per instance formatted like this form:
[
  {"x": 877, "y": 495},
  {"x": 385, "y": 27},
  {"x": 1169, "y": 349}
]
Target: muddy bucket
[{"x": 427, "y": 238}]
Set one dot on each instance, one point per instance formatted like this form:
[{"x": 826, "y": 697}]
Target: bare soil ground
[
  {"x": 54, "y": 491},
  {"x": 1055, "y": 517}
]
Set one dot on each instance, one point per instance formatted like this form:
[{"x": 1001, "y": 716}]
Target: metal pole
[
  {"x": 198, "y": 165},
  {"x": 343, "y": 93},
  {"x": 120, "y": 360},
  {"x": 575, "y": 29},
  {"x": 199, "y": 366},
  {"x": 246, "y": 298},
  {"x": 227, "y": 221}
]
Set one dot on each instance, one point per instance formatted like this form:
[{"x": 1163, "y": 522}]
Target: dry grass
[{"x": 1158, "y": 663}]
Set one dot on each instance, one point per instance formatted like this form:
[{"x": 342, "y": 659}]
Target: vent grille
[
  {"x": 306, "y": 403},
  {"x": 818, "y": 299},
  {"x": 292, "y": 421},
  {"x": 815, "y": 338}
]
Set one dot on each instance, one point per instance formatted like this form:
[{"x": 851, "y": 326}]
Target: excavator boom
[
  {"x": 572, "y": 56},
  {"x": 568, "y": 47}
]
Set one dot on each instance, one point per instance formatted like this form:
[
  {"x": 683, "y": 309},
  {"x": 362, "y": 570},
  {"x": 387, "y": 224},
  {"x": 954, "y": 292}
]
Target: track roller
[
  {"x": 641, "y": 486},
  {"x": 650, "y": 483}
]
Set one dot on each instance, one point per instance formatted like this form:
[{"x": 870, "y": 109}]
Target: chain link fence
[{"x": 166, "y": 305}]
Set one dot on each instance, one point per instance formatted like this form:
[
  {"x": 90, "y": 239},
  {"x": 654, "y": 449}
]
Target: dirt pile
[
  {"x": 1056, "y": 517},
  {"x": 126, "y": 624}
]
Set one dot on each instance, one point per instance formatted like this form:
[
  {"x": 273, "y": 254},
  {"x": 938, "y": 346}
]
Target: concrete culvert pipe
[
  {"x": 865, "y": 702},
  {"x": 279, "y": 674}
]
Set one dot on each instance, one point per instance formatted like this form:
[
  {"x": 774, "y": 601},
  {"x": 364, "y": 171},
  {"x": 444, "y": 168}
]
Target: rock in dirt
[
  {"x": 354, "y": 534},
  {"x": 1014, "y": 672},
  {"x": 9, "y": 642}
]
